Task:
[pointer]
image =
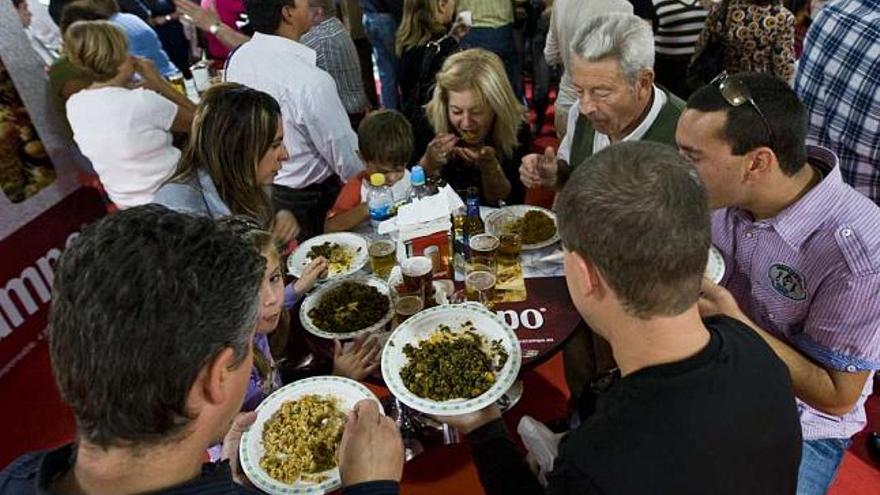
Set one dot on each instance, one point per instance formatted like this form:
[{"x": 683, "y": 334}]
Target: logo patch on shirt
[{"x": 787, "y": 282}]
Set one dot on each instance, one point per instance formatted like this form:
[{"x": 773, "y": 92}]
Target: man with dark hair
[
  {"x": 151, "y": 330},
  {"x": 802, "y": 251},
  {"x": 703, "y": 406},
  {"x": 317, "y": 131}
]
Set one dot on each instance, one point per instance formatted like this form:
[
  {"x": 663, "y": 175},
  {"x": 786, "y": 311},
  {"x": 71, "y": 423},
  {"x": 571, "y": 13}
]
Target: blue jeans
[
  {"x": 819, "y": 462},
  {"x": 500, "y": 42},
  {"x": 381, "y": 30}
]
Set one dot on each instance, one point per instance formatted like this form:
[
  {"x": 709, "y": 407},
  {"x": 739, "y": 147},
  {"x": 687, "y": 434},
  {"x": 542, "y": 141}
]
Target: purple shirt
[
  {"x": 258, "y": 388},
  {"x": 811, "y": 277}
]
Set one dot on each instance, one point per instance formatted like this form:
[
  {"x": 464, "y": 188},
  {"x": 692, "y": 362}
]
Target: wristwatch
[{"x": 214, "y": 29}]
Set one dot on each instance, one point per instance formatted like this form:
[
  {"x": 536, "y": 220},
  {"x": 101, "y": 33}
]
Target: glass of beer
[
  {"x": 483, "y": 248},
  {"x": 509, "y": 248},
  {"x": 480, "y": 274},
  {"x": 418, "y": 273},
  {"x": 407, "y": 302},
  {"x": 479, "y": 285},
  {"x": 383, "y": 257},
  {"x": 178, "y": 83}
]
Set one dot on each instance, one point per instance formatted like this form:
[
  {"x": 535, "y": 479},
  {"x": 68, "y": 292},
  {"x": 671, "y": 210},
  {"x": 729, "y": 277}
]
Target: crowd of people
[{"x": 681, "y": 385}]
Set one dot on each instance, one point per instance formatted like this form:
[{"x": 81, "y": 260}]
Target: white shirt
[
  {"x": 125, "y": 133},
  {"x": 399, "y": 191},
  {"x": 601, "y": 141},
  {"x": 317, "y": 132}
]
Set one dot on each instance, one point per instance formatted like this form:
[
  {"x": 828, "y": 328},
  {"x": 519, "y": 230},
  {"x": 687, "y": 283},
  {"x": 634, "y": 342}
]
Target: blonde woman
[
  {"x": 480, "y": 128},
  {"x": 423, "y": 44},
  {"x": 125, "y": 132}
]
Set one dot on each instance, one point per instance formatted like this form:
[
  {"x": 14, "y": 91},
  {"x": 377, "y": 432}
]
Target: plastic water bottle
[
  {"x": 379, "y": 200},
  {"x": 419, "y": 188}
]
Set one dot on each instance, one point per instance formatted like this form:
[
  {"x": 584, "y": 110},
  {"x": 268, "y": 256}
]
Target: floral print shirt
[{"x": 756, "y": 38}]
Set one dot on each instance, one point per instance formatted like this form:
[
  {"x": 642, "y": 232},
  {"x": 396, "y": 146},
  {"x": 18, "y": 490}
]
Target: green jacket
[{"x": 661, "y": 131}]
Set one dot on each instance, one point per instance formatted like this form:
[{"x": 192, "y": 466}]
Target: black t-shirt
[
  {"x": 721, "y": 422},
  {"x": 32, "y": 474}
]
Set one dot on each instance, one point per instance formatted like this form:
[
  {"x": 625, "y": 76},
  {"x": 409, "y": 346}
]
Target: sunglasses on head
[{"x": 737, "y": 94}]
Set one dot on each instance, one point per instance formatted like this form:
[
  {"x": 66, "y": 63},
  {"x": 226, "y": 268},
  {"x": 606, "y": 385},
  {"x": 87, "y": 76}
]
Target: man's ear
[
  {"x": 762, "y": 162},
  {"x": 288, "y": 13},
  {"x": 589, "y": 279},
  {"x": 645, "y": 82},
  {"x": 214, "y": 379}
]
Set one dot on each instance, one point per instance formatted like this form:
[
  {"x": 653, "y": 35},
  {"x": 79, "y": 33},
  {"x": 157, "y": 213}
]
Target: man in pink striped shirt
[{"x": 802, "y": 252}]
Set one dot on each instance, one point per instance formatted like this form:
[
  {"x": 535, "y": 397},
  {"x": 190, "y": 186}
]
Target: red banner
[{"x": 26, "y": 275}]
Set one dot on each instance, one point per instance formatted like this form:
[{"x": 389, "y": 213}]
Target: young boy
[{"x": 386, "y": 141}]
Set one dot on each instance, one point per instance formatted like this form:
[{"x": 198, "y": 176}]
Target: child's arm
[
  {"x": 347, "y": 220},
  {"x": 311, "y": 273}
]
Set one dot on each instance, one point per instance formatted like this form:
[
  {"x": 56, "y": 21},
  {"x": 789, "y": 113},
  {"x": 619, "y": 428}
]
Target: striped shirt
[
  {"x": 810, "y": 276},
  {"x": 336, "y": 54},
  {"x": 838, "y": 79},
  {"x": 677, "y": 24}
]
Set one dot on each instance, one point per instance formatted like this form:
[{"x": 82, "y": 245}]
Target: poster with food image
[{"x": 25, "y": 167}]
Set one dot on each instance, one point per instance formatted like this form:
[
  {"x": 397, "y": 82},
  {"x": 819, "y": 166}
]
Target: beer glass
[
  {"x": 509, "y": 248},
  {"x": 407, "y": 302},
  {"x": 480, "y": 272},
  {"x": 383, "y": 257},
  {"x": 418, "y": 273}
]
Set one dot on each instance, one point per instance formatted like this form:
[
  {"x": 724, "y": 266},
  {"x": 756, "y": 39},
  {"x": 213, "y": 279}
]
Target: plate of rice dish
[
  {"x": 292, "y": 447},
  {"x": 347, "y": 307},
  {"x": 536, "y": 226},
  {"x": 451, "y": 360},
  {"x": 346, "y": 253}
]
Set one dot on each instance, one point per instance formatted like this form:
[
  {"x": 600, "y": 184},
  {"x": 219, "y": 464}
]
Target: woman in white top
[{"x": 124, "y": 130}]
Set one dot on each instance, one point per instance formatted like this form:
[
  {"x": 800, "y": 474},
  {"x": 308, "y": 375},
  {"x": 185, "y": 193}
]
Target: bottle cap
[
  {"x": 417, "y": 176},
  {"x": 377, "y": 179}
]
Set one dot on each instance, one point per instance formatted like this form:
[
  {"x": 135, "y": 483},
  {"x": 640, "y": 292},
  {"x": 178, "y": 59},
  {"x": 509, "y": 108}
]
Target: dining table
[{"x": 543, "y": 323}]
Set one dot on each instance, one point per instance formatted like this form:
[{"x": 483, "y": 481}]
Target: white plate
[
  {"x": 348, "y": 393},
  {"x": 314, "y": 298},
  {"x": 496, "y": 220},
  {"x": 715, "y": 267},
  {"x": 299, "y": 260},
  {"x": 423, "y": 325}
]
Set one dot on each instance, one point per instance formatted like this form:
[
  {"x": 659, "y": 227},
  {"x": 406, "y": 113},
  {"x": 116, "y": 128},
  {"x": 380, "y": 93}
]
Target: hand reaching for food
[
  {"x": 316, "y": 269},
  {"x": 359, "y": 361}
]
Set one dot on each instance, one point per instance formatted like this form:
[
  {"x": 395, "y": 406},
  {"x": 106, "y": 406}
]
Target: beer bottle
[{"x": 473, "y": 224}]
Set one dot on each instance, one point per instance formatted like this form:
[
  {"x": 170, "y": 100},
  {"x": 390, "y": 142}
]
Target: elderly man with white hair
[{"x": 611, "y": 65}]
